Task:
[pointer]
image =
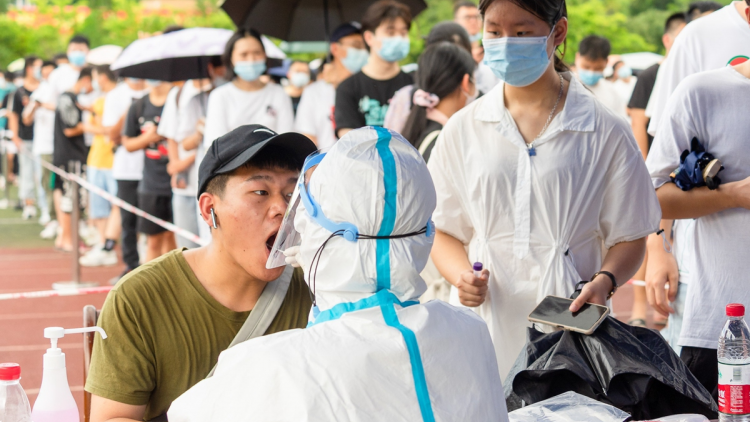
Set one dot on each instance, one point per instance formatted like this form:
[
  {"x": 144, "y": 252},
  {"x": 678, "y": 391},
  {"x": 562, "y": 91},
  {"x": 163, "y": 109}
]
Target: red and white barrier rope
[
  {"x": 117, "y": 201},
  {"x": 55, "y": 293}
]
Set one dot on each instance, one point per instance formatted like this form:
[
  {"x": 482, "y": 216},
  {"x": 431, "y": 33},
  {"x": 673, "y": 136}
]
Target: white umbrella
[
  {"x": 16, "y": 65},
  {"x": 105, "y": 54},
  {"x": 179, "y": 55},
  {"x": 641, "y": 61}
]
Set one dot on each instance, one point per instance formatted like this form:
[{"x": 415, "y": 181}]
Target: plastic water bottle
[
  {"x": 734, "y": 367},
  {"x": 14, "y": 405}
]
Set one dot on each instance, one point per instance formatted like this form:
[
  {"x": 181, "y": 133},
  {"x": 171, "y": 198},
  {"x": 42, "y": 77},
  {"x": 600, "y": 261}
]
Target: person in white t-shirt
[
  {"x": 66, "y": 75},
  {"x": 591, "y": 60},
  {"x": 127, "y": 167},
  {"x": 711, "y": 107},
  {"x": 181, "y": 123},
  {"x": 44, "y": 127},
  {"x": 246, "y": 100},
  {"x": 711, "y": 42},
  {"x": 315, "y": 111},
  {"x": 717, "y": 40}
]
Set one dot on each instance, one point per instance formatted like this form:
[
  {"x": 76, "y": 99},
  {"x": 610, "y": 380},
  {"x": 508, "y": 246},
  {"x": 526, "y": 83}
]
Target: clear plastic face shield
[{"x": 288, "y": 236}]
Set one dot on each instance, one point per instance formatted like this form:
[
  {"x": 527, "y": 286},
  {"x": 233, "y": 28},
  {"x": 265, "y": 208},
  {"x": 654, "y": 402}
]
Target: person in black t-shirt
[
  {"x": 23, "y": 135},
  {"x": 645, "y": 84},
  {"x": 444, "y": 85},
  {"x": 155, "y": 189},
  {"x": 363, "y": 99},
  {"x": 69, "y": 146}
]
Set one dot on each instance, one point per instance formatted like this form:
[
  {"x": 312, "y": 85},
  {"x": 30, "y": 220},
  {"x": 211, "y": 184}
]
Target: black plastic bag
[{"x": 631, "y": 368}]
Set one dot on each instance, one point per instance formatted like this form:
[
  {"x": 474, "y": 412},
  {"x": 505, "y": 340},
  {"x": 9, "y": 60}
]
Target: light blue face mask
[
  {"x": 250, "y": 71},
  {"x": 95, "y": 85},
  {"x": 38, "y": 73},
  {"x": 356, "y": 59},
  {"x": 394, "y": 49},
  {"x": 299, "y": 79},
  {"x": 518, "y": 61},
  {"x": 589, "y": 77},
  {"x": 77, "y": 58},
  {"x": 153, "y": 82},
  {"x": 476, "y": 37},
  {"x": 625, "y": 72}
]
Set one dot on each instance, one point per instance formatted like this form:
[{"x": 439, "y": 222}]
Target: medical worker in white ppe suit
[{"x": 370, "y": 352}]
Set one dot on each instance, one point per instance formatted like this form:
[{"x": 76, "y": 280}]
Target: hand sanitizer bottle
[{"x": 55, "y": 402}]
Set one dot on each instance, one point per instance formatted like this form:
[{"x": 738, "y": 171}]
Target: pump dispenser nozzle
[{"x": 55, "y": 333}]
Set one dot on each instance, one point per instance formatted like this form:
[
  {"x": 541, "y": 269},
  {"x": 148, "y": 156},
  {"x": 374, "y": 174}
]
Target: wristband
[{"x": 611, "y": 277}]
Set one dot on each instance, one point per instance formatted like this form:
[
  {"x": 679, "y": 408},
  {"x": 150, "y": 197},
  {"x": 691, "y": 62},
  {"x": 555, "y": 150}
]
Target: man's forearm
[
  {"x": 191, "y": 142},
  {"x": 137, "y": 143},
  {"x": 677, "y": 204},
  {"x": 74, "y": 131}
]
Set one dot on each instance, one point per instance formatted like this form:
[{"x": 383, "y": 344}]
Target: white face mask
[{"x": 470, "y": 98}]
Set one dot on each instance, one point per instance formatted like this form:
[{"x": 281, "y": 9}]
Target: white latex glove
[{"x": 293, "y": 257}]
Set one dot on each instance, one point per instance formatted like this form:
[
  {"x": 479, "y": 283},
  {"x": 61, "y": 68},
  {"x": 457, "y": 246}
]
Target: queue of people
[{"x": 546, "y": 175}]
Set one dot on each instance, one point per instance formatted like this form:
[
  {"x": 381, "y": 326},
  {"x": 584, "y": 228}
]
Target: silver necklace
[{"x": 532, "y": 150}]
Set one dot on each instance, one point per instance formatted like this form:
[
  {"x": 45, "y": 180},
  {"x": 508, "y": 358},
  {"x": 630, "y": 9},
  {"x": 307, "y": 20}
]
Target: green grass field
[{"x": 15, "y": 232}]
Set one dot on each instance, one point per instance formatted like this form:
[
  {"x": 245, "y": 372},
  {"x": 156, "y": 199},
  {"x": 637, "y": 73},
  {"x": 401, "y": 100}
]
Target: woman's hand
[
  {"x": 472, "y": 290},
  {"x": 594, "y": 292}
]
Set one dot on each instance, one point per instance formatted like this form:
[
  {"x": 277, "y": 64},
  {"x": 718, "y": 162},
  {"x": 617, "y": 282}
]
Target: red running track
[{"x": 22, "y": 321}]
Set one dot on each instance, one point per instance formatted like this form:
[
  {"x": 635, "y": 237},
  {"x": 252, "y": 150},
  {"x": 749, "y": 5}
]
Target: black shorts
[{"x": 157, "y": 205}]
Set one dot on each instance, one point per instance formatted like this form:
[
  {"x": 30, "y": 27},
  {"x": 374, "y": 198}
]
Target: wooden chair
[{"x": 90, "y": 317}]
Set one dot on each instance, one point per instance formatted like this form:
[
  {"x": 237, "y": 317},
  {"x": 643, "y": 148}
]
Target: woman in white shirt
[
  {"x": 246, "y": 100},
  {"x": 534, "y": 180}
]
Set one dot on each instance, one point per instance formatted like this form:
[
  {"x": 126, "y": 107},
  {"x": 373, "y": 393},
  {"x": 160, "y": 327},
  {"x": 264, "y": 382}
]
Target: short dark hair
[
  {"x": 28, "y": 62},
  {"x": 674, "y": 21},
  {"x": 59, "y": 56},
  {"x": 79, "y": 39},
  {"x": 700, "y": 7},
  {"x": 106, "y": 71},
  {"x": 595, "y": 47},
  {"x": 229, "y": 49},
  {"x": 49, "y": 63},
  {"x": 86, "y": 72},
  {"x": 461, "y": 4},
  {"x": 383, "y": 11},
  {"x": 270, "y": 157}
]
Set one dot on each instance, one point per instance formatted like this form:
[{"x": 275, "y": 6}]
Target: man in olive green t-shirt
[{"x": 168, "y": 321}]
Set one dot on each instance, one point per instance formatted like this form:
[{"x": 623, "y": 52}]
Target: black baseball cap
[
  {"x": 344, "y": 30},
  {"x": 237, "y": 147}
]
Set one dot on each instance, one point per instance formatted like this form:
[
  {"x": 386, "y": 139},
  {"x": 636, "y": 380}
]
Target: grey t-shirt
[{"x": 141, "y": 115}]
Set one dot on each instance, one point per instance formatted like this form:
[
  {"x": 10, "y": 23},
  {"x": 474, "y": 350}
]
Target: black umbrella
[
  {"x": 301, "y": 20},
  {"x": 631, "y": 368}
]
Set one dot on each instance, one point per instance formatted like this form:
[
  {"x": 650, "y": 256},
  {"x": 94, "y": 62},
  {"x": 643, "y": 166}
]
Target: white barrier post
[{"x": 75, "y": 217}]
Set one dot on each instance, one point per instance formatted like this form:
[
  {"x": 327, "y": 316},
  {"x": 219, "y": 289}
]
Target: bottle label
[{"x": 734, "y": 389}]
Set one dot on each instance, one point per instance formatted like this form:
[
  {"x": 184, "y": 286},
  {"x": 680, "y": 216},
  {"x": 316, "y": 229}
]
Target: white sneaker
[
  {"x": 4, "y": 204},
  {"x": 29, "y": 212},
  {"x": 50, "y": 230},
  {"x": 98, "y": 258},
  {"x": 44, "y": 219}
]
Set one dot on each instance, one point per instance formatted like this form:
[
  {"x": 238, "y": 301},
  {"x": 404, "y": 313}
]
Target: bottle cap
[
  {"x": 478, "y": 266},
  {"x": 735, "y": 310},
  {"x": 10, "y": 371}
]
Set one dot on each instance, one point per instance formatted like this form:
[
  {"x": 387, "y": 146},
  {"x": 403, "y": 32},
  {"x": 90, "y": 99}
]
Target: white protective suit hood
[{"x": 374, "y": 179}]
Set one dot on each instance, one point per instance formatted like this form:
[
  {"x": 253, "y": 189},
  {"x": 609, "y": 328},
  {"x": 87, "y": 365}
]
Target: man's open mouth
[{"x": 270, "y": 241}]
